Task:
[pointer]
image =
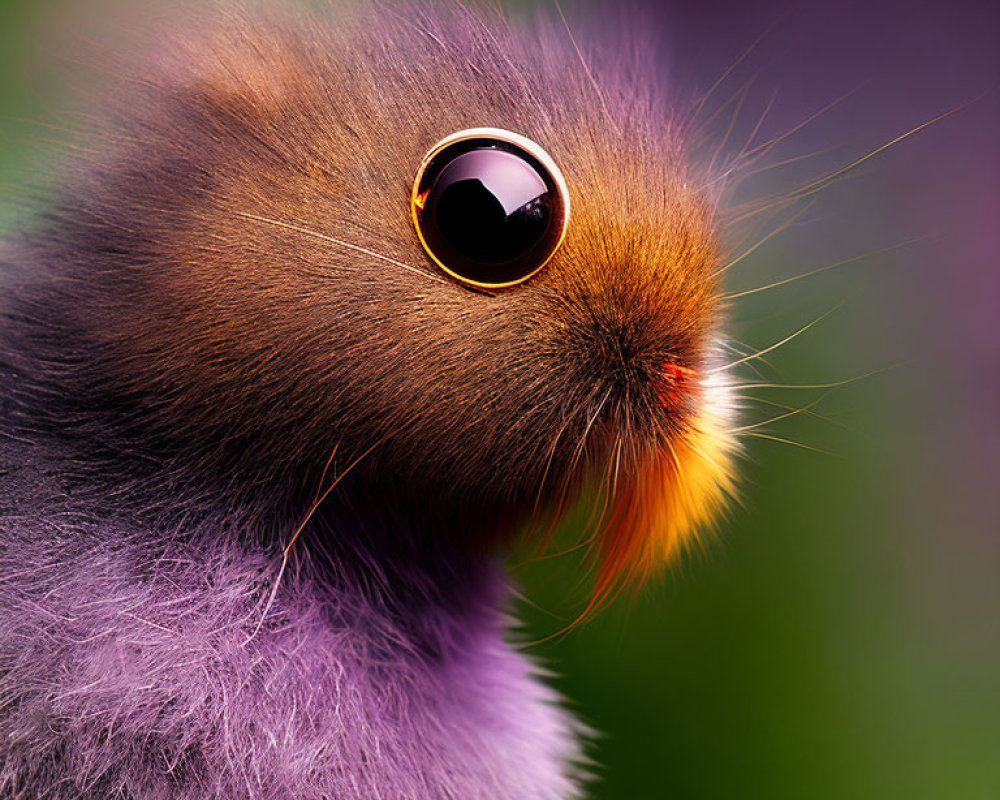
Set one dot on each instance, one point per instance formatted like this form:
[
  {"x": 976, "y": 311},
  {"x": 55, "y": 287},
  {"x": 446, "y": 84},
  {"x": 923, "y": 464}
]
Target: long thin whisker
[
  {"x": 746, "y": 350},
  {"x": 729, "y": 70},
  {"x": 826, "y": 268},
  {"x": 326, "y": 468},
  {"x": 590, "y": 424},
  {"x": 757, "y": 127},
  {"x": 826, "y": 181},
  {"x": 741, "y": 99},
  {"x": 586, "y": 67},
  {"x": 339, "y": 242},
  {"x": 774, "y": 346},
  {"x": 764, "y": 147},
  {"x": 295, "y": 536},
  {"x": 609, "y": 481},
  {"x": 744, "y": 174},
  {"x": 551, "y": 454},
  {"x": 737, "y": 97},
  {"x": 761, "y": 242},
  {"x": 845, "y": 382},
  {"x": 805, "y": 411},
  {"x": 792, "y": 413},
  {"x": 821, "y": 183},
  {"x": 769, "y": 437},
  {"x": 596, "y": 517},
  {"x": 774, "y": 204},
  {"x": 567, "y": 479}
]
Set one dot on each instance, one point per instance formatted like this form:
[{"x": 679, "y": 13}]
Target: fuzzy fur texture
[
  {"x": 227, "y": 309},
  {"x": 134, "y": 665}
]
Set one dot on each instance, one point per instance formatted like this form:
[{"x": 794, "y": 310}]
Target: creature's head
[{"x": 251, "y": 280}]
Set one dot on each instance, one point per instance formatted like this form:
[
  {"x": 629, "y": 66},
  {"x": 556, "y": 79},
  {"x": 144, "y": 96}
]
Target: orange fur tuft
[{"x": 659, "y": 507}]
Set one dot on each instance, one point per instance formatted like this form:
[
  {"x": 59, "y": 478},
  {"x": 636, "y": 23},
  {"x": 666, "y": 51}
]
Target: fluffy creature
[{"x": 259, "y": 452}]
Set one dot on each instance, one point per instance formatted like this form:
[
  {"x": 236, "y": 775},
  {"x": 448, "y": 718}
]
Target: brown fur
[{"x": 210, "y": 342}]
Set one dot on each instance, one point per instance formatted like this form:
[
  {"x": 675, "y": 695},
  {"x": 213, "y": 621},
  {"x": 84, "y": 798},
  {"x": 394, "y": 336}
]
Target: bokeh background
[{"x": 840, "y": 636}]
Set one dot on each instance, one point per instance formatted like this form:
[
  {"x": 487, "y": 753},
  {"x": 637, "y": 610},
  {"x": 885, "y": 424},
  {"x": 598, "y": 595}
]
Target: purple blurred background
[
  {"x": 906, "y": 63},
  {"x": 934, "y": 308}
]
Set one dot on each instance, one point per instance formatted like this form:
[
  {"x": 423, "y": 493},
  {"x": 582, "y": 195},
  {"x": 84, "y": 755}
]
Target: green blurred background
[{"x": 840, "y": 637}]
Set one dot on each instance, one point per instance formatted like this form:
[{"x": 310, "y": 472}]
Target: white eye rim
[{"x": 533, "y": 149}]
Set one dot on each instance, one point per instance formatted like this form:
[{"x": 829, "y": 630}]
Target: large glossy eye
[{"x": 490, "y": 207}]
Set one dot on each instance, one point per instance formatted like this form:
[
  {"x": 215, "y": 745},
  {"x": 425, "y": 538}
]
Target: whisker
[
  {"x": 522, "y": 597},
  {"x": 804, "y": 410},
  {"x": 741, "y": 99},
  {"x": 737, "y": 97},
  {"x": 832, "y": 385},
  {"x": 830, "y": 179},
  {"x": 745, "y": 349},
  {"x": 760, "y": 122},
  {"x": 581, "y": 444},
  {"x": 588, "y": 540},
  {"x": 818, "y": 270},
  {"x": 785, "y": 162},
  {"x": 340, "y": 242},
  {"x": 821, "y": 183},
  {"x": 765, "y": 147},
  {"x": 586, "y": 67},
  {"x": 761, "y": 242},
  {"x": 745, "y": 211},
  {"x": 551, "y": 454},
  {"x": 298, "y": 532},
  {"x": 769, "y": 437},
  {"x": 608, "y": 481},
  {"x": 586, "y": 431},
  {"x": 326, "y": 468},
  {"x": 774, "y": 346},
  {"x": 729, "y": 70},
  {"x": 791, "y": 413}
]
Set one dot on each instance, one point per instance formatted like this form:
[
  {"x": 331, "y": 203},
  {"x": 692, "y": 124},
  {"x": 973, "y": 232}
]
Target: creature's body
[
  {"x": 126, "y": 671},
  {"x": 228, "y": 308}
]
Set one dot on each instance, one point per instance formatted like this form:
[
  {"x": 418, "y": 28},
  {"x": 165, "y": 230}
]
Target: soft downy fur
[
  {"x": 138, "y": 664},
  {"x": 258, "y": 453}
]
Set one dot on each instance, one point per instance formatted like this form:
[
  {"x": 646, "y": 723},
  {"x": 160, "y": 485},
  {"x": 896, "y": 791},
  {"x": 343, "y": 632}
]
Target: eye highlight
[{"x": 490, "y": 207}]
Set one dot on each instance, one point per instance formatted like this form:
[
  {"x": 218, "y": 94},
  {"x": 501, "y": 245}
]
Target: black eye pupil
[
  {"x": 490, "y": 206},
  {"x": 488, "y": 212}
]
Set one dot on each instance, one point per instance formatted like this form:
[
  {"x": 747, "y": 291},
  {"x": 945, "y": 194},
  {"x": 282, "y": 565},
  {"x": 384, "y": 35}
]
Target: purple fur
[{"x": 137, "y": 663}]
